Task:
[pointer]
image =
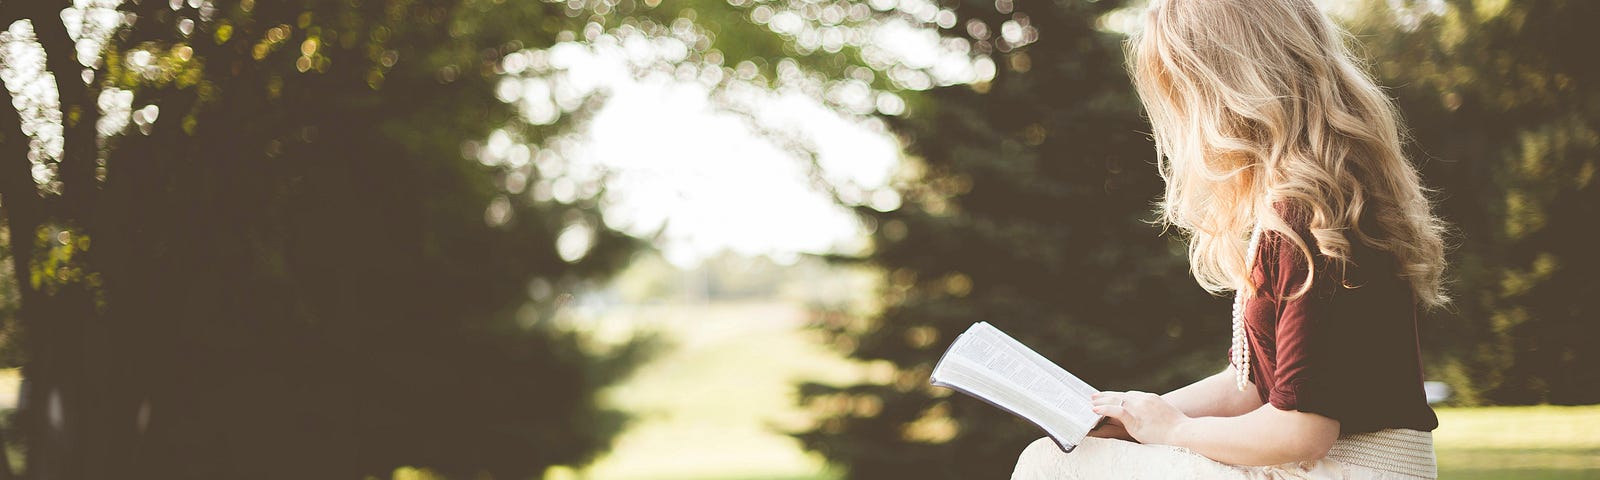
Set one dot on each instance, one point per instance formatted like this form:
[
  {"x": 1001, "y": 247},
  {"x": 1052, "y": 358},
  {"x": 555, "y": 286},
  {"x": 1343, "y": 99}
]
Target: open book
[{"x": 988, "y": 364}]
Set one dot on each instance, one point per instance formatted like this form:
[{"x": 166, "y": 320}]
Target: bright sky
[
  {"x": 677, "y": 163},
  {"x": 708, "y": 182}
]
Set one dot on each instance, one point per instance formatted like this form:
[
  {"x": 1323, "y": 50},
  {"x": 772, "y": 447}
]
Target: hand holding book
[{"x": 1146, "y": 417}]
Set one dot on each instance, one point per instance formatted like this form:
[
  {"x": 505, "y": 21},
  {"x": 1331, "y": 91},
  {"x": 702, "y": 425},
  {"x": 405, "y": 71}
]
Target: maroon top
[{"x": 1345, "y": 350}]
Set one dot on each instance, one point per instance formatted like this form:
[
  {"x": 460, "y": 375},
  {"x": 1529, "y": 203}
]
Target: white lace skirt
[{"x": 1393, "y": 454}]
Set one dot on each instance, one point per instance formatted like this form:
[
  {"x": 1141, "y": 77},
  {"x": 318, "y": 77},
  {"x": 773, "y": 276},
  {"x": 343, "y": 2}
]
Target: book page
[
  {"x": 1014, "y": 377},
  {"x": 971, "y": 379},
  {"x": 1071, "y": 395}
]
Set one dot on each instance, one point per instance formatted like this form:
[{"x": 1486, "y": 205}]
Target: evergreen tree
[
  {"x": 302, "y": 239},
  {"x": 1503, "y": 100},
  {"x": 282, "y": 268}
]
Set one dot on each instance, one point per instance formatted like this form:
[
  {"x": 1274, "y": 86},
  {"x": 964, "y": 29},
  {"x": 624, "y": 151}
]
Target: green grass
[
  {"x": 713, "y": 407},
  {"x": 1543, "y": 442}
]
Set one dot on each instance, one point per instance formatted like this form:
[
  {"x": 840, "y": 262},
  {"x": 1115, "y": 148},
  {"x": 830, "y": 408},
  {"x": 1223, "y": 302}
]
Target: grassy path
[{"x": 712, "y": 406}]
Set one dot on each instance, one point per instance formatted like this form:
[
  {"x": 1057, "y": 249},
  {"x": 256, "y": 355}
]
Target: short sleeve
[
  {"x": 1305, "y": 376},
  {"x": 1347, "y": 348}
]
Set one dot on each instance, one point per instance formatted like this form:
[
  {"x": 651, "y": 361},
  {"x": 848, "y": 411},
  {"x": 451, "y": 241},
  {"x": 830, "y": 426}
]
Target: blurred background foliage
[
  {"x": 329, "y": 239},
  {"x": 309, "y": 239},
  {"x": 290, "y": 272},
  {"x": 1504, "y": 108},
  {"x": 270, "y": 239}
]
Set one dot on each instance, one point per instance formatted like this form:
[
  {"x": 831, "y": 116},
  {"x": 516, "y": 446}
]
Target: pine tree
[
  {"x": 301, "y": 258},
  {"x": 1503, "y": 100}
]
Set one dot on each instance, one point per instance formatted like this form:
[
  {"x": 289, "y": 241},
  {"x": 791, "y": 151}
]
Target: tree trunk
[
  {"x": 61, "y": 345},
  {"x": 21, "y": 202}
]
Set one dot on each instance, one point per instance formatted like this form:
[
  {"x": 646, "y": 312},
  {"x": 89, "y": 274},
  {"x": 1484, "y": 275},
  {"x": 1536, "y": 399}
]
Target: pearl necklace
[{"x": 1241, "y": 346}]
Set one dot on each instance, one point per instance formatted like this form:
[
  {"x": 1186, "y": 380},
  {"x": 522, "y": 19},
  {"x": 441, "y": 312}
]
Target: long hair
[{"x": 1254, "y": 103}]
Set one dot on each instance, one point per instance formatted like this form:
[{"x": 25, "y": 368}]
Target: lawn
[
  {"x": 712, "y": 407},
  {"x": 1544, "y": 442}
]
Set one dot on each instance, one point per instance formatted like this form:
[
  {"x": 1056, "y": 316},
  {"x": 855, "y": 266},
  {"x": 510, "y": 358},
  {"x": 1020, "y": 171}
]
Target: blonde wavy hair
[{"x": 1257, "y": 103}]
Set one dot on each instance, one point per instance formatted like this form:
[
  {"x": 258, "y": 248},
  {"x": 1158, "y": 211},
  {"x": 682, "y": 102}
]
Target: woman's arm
[
  {"x": 1215, "y": 396},
  {"x": 1265, "y": 436}
]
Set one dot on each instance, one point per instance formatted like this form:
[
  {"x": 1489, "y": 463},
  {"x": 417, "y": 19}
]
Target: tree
[
  {"x": 284, "y": 270},
  {"x": 1027, "y": 208},
  {"x": 318, "y": 239},
  {"x": 1502, "y": 102}
]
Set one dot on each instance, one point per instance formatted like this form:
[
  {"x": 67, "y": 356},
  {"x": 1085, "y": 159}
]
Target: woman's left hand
[{"x": 1146, "y": 416}]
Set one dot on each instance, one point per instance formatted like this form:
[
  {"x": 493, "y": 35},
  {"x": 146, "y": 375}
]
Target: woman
[{"x": 1283, "y": 166}]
